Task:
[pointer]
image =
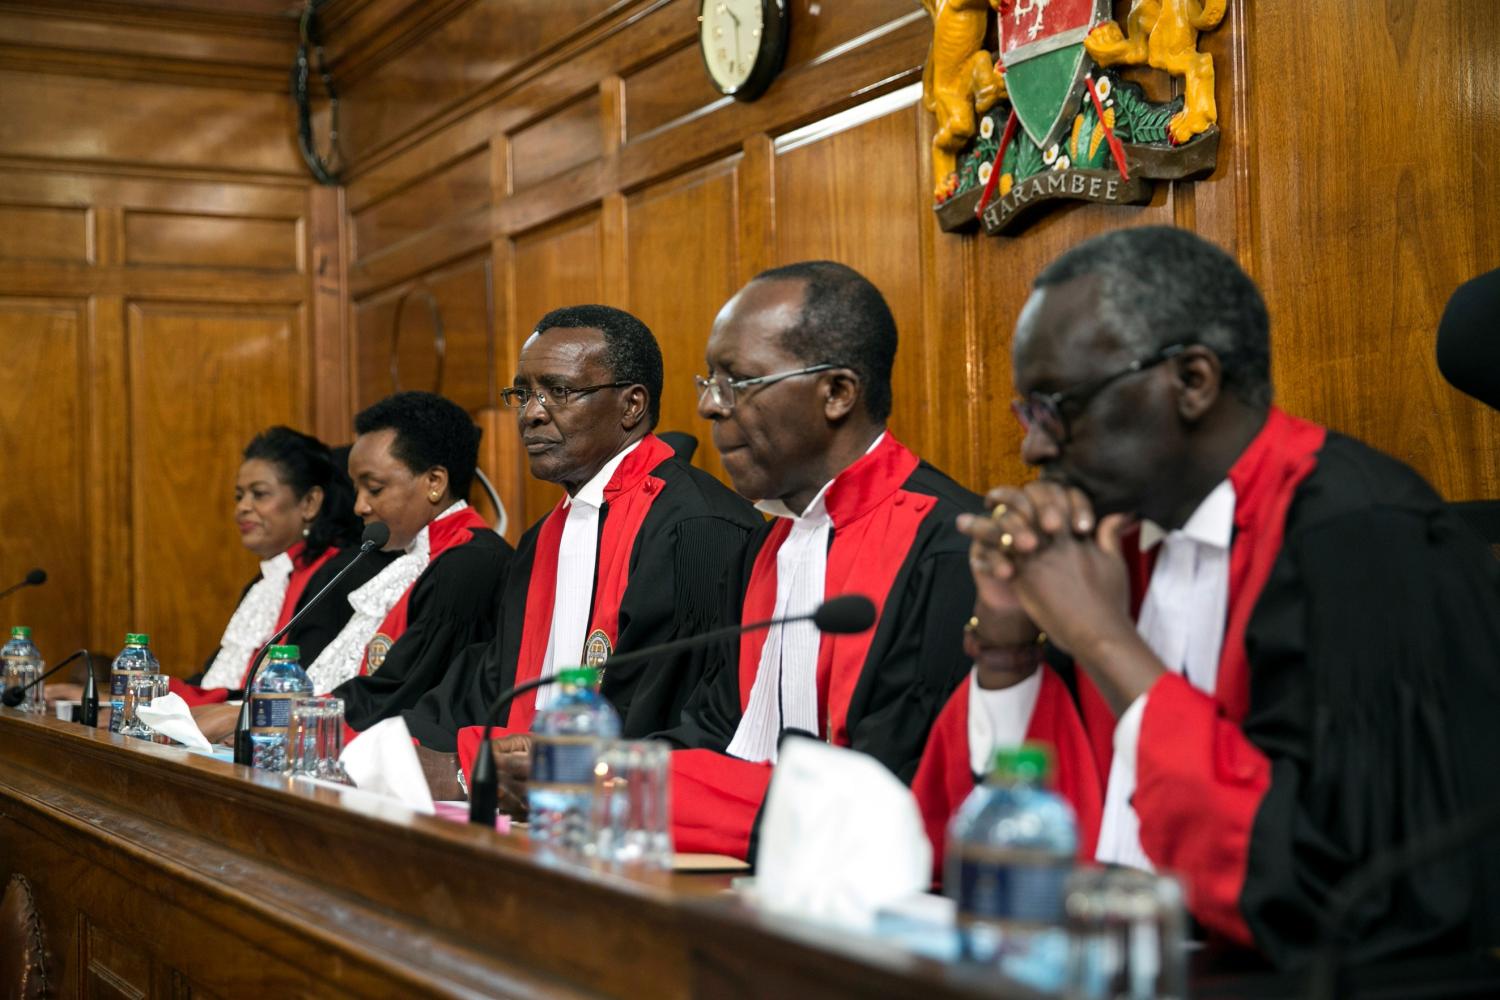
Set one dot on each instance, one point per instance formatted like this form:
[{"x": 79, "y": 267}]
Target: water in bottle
[
  {"x": 1010, "y": 850},
  {"x": 135, "y": 659},
  {"x": 566, "y": 738},
  {"x": 280, "y": 682},
  {"x": 23, "y": 665}
]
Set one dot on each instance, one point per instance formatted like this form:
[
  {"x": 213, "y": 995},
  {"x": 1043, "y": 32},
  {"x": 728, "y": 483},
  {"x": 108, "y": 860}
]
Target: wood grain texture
[
  {"x": 203, "y": 380},
  {"x": 46, "y": 233},
  {"x": 172, "y": 239},
  {"x": 42, "y": 520},
  {"x": 289, "y": 890}
]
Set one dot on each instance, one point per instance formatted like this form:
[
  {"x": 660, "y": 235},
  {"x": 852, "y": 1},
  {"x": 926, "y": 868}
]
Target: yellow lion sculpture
[
  {"x": 1164, "y": 35},
  {"x": 958, "y": 81}
]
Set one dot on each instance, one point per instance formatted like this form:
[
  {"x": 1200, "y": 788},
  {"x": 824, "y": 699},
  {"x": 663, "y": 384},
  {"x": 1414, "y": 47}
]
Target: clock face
[{"x": 743, "y": 43}]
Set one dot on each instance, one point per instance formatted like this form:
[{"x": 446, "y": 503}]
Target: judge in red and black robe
[
  {"x": 1011, "y": 697},
  {"x": 1311, "y": 681},
  {"x": 799, "y": 392},
  {"x": 294, "y": 509},
  {"x": 633, "y": 556},
  {"x": 412, "y": 464}
]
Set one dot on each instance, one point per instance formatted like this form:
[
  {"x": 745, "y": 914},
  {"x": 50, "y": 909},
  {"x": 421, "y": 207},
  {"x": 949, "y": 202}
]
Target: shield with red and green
[{"x": 1041, "y": 47}]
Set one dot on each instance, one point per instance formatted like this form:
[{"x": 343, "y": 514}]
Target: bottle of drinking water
[
  {"x": 1010, "y": 849},
  {"x": 135, "y": 659},
  {"x": 22, "y": 665},
  {"x": 566, "y": 738},
  {"x": 280, "y": 682}
]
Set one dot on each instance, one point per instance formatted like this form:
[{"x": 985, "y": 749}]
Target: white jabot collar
[{"x": 592, "y": 492}]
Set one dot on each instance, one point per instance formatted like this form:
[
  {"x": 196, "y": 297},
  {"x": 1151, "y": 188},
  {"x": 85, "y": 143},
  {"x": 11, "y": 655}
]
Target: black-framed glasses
[
  {"x": 517, "y": 397},
  {"x": 1044, "y": 410},
  {"x": 721, "y": 389}
]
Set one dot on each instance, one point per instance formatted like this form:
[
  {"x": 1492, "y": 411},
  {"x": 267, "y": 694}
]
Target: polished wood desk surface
[{"x": 163, "y": 872}]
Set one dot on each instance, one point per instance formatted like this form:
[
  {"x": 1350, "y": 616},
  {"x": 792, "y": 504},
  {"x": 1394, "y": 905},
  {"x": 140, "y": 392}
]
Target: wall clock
[{"x": 743, "y": 43}]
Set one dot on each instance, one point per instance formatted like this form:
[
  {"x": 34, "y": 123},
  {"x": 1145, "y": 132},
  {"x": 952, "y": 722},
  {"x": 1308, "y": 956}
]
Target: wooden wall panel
[
  {"x": 174, "y": 239},
  {"x": 682, "y": 245},
  {"x": 568, "y": 137},
  {"x": 203, "y": 380},
  {"x": 74, "y": 118},
  {"x": 1359, "y": 251},
  {"x": 42, "y": 520},
  {"x": 556, "y": 266},
  {"x": 454, "y": 188},
  {"x": 655, "y": 95},
  {"x": 46, "y": 233}
]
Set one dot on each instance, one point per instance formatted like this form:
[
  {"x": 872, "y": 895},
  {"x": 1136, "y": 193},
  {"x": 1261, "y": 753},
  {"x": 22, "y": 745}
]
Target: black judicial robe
[
  {"x": 895, "y": 540},
  {"x": 450, "y": 606},
  {"x": 318, "y": 627},
  {"x": 689, "y": 536},
  {"x": 1355, "y": 711}
]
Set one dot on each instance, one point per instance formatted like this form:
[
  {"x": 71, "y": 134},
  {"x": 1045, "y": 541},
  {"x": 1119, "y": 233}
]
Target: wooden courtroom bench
[{"x": 162, "y": 873}]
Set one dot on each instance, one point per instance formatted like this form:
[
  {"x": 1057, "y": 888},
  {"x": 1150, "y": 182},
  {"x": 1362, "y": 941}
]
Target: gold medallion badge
[
  {"x": 376, "y": 651},
  {"x": 597, "y": 649}
]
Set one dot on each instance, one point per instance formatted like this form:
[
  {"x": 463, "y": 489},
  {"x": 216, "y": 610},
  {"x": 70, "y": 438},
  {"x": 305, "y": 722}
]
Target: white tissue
[
  {"x": 841, "y": 837},
  {"x": 169, "y": 715},
  {"x": 383, "y": 760}
]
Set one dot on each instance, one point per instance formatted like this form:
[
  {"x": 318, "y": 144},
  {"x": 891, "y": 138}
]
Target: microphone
[
  {"x": 847, "y": 614},
  {"x": 375, "y": 535},
  {"x": 35, "y": 578},
  {"x": 16, "y": 693}
]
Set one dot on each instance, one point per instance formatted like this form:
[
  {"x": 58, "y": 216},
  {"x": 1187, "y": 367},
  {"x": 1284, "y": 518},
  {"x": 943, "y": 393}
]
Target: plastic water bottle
[
  {"x": 280, "y": 682},
  {"x": 1010, "y": 850},
  {"x": 135, "y": 659},
  {"x": 566, "y": 738},
  {"x": 23, "y": 665}
]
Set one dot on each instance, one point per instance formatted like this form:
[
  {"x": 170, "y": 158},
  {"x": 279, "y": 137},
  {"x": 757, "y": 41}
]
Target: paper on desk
[
  {"x": 383, "y": 760},
  {"x": 169, "y": 715},
  {"x": 841, "y": 837}
]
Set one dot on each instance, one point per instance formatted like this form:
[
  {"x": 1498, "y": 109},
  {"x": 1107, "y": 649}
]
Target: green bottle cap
[
  {"x": 137, "y": 639},
  {"x": 1029, "y": 762},
  {"x": 21, "y": 632},
  {"x": 579, "y": 676},
  {"x": 285, "y": 653}
]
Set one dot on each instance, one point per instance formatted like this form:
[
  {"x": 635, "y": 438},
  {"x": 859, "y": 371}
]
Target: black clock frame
[{"x": 770, "y": 56}]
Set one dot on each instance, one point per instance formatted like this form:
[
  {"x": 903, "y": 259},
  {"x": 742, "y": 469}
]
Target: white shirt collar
[
  {"x": 815, "y": 510},
  {"x": 592, "y": 492},
  {"x": 277, "y": 566},
  {"x": 1211, "y": 523}
]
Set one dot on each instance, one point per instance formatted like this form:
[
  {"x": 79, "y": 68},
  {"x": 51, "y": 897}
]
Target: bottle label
[
  {"x": 271, "y": 712},
  {"x": 1014, "y": 885},
  {"x": 564, "y": 761},
  {"x": 119, "y": 680}
]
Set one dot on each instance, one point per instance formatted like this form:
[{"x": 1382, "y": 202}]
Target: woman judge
[
  {"x": 411, "y": 464},
  {"x": 294, "y": 509}
]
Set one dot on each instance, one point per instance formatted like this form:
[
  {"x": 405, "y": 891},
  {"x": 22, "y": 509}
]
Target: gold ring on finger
[
  {"x": 999, "y": 510},
  {"x": 1007, "y": 540}
]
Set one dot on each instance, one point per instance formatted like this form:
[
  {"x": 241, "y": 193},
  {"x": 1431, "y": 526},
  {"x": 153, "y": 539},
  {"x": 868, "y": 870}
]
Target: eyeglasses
[
  {"x": 517, "y": 398},
  {"x": 1044, "y": 410},
  {"x": 721, "y": 389}
]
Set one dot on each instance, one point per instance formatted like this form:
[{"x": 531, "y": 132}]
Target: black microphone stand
[
  {"x": 484, "y": 786},
  {"x": 243, "y": 747}
]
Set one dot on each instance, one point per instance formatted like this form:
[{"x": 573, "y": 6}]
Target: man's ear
[
  {"x": 1200, "y": 377},
  {"x": 636, "y": 400},
  {"x": 843, "y": 393}
]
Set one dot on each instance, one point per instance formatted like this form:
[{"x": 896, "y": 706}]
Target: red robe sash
[
  {"x": 629, "y": 495},
  {"x": 716, "y": 797},
  {"x": 945, "y": 777},
  {"x": 1199, "y": 781},
  {"x": 302, "y": 571},
  {"x": 446, "y": 532}
]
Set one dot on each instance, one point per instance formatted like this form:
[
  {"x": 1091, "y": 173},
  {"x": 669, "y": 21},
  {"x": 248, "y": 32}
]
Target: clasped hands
[{"x": 1042, "y": 549}]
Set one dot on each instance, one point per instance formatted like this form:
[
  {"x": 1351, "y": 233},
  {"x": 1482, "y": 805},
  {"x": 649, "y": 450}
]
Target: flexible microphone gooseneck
[
  {"x": 16, "y": 693},
  {"x": 847, "y": 614},
  {"x": 375, "y": 536},
  {"x": 35, "y": 578}
]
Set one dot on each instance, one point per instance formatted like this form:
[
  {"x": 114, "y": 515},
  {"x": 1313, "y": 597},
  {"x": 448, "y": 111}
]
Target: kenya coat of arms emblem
[{"x": 1046, "y": 117}]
